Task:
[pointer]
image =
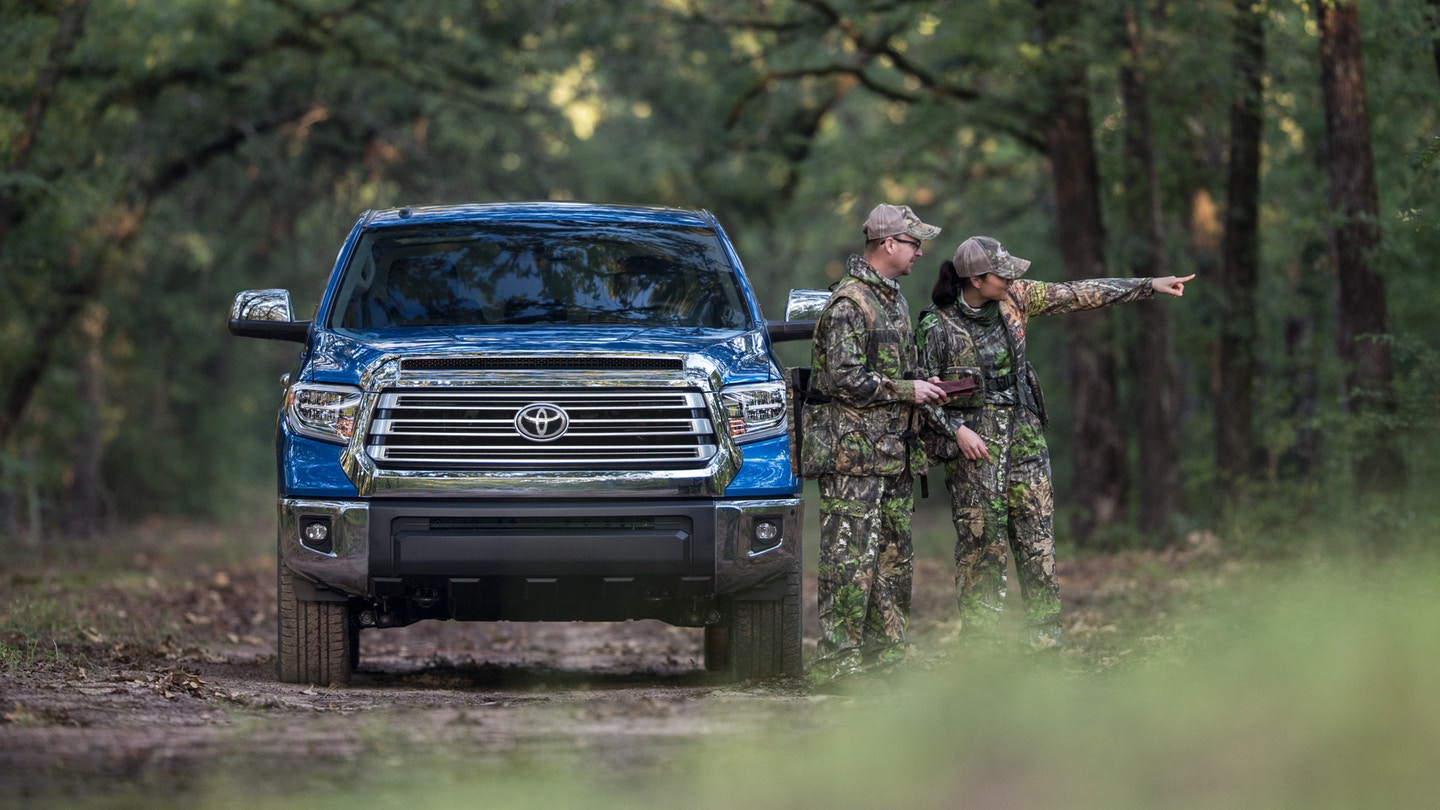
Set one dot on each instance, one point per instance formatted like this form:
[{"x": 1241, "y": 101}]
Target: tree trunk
[
  {"x": 1157, "y": 380},
  {"x": 18, "y": 384},
  {"x": 1362, "y": 321},
  {"x": 1101, "y": 480},
  {"x": 1240, "y": 259},
  {"x": 1435, "y": 28},
  {"x": 83, "y": 518},
  {"x": 1300, "y": 461},
  {"x": 71, "y": 28}
]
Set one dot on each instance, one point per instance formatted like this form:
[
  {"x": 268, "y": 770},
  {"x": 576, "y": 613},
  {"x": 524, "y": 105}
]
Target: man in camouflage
[
  {"x": 999, "y": 473},
  {"x": 860, "y": 443}
]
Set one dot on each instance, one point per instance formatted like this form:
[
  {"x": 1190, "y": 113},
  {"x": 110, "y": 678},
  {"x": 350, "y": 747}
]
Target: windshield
[{"x": 471, "y": 274}]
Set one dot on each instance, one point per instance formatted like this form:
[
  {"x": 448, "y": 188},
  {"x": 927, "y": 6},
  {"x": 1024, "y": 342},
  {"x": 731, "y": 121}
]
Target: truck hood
[{"x": 736, "y": 356}]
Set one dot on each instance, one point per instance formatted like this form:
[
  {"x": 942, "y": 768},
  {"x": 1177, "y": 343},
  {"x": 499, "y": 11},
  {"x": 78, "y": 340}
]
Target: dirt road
[{"x": 158, "y": 672}]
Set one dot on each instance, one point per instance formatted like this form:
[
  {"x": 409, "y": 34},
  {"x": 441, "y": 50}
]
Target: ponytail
[{"x": 947, "y": 285}]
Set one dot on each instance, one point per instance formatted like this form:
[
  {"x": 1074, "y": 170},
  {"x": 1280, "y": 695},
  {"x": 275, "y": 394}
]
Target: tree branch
[
  {"x": 72, "y": 27},
  {"x": 872, "y": 49},
  {"x": 116, "y": 232}
]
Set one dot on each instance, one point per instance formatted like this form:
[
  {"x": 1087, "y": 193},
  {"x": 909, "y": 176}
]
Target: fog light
[
  {"x": 316, "y": 535},
  {"x": 766, "y": 531}
]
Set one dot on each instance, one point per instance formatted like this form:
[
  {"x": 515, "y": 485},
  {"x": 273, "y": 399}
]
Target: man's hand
[
  {"x": 1170, "y": 285},
  {"x": 971, "y": 445},
  {"x": 929, "y": 391}
]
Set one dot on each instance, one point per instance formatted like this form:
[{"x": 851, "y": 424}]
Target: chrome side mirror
[
  {"x": 802, "y": 308},
  {"x": 262, "y": 305},
  {"x": 266, "y": 314},
  {"x": 805, "y": 305}
]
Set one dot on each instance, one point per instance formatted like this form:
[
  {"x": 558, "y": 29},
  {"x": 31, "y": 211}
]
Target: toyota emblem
[{"x": 542, "y": 422}]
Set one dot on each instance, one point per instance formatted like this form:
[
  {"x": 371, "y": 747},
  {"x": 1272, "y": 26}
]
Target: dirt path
[
  {"x": 160, "y": 675},
  {"x": 152, "y": 711}
]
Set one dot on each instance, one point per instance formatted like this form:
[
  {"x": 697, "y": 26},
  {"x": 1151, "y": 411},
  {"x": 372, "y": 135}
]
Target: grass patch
[
  {"x": 61, "y": 597},
  {"x": 36, "y": 631},
  {"x": 1312, "y": 687}
]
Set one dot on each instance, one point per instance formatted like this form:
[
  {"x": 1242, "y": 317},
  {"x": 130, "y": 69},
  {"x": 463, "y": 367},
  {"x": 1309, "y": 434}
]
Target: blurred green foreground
[{"x": 1302, "y": 685}]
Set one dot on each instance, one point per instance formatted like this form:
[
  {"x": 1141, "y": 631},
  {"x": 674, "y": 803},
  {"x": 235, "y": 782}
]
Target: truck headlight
[
  {"x": 754, "y": 411},
  {"x": 324, "y": 412}
]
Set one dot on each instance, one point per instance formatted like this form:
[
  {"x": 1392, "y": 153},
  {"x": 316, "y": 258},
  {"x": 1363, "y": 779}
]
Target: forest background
[{"x": 158, "y": 157}]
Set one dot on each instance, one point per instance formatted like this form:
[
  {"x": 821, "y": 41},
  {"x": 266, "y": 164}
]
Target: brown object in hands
[{"x": 957, "y": 387}]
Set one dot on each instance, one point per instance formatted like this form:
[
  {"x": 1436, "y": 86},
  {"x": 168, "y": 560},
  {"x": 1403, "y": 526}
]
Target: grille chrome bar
[{"x": 546, "y": 362}]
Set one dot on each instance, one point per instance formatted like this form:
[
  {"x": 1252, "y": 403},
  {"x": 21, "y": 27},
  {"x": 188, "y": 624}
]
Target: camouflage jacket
[
  {"x": 989, "y": 343},
  {"x": 863, "y": 363}
]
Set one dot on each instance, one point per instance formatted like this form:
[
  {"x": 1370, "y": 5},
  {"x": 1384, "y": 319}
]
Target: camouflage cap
[
  {"x": 893, "y": 220},
  {"x": 979, "y": 255}
]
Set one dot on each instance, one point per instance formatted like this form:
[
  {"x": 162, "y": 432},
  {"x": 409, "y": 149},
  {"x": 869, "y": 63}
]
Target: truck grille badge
[{"x": 542, "y": 422}]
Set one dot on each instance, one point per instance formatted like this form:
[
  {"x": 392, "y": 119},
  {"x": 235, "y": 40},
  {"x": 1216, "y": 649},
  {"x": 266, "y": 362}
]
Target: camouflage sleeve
[
  {"x": 934, "y": 353},
  {"x": 847, "y": 375},
  {"x": 1044, "y": 298},
  {"x": 929, "y": 344}
]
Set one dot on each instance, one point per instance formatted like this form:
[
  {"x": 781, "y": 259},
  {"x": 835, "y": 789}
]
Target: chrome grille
[
  {"x": 542, "y": 362},
  {"x": 475, "y": 428}
]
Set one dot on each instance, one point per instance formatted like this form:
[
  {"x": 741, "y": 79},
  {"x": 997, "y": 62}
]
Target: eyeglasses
[{"x": 915, "y": 245}]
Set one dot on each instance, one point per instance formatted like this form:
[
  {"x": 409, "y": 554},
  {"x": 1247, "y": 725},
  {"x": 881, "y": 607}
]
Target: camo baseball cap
[
  {"x": 979, "y": 255},
  {"x": 893, "y": 220}
]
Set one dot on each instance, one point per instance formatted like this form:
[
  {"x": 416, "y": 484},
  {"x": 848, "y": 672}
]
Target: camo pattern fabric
[
  {"x": 1006, "y": 505},
  {"x": 866, "y": 568},
  {"x": 1002, "y": 506},
  {"x": 1027, "y": 299},
  {"x": 943, "y": 342},
  {"x": 862, "y": 357}
]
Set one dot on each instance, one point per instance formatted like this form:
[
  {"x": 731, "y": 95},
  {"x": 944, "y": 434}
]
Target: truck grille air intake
[{"x": 540, "y": 429}]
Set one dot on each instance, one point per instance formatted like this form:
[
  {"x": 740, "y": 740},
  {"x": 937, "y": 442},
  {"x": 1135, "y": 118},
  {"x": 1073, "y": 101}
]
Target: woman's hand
[{"x": 971, "y": 445}]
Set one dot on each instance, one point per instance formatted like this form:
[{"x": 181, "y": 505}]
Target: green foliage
[{"x": 193, "y": 149}]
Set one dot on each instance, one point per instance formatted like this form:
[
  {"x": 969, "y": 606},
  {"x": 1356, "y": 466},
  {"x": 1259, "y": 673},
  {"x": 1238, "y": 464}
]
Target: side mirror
[
  {"x": 802, "y": 309},
  {"x": 806, "y": 305},
  {"x": 266, "y": 314}
]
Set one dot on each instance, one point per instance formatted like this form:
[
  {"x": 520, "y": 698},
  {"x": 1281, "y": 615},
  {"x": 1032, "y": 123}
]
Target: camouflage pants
[
  {"x": 1006, "y": 504},
  {"x": 866, "y": 566}
]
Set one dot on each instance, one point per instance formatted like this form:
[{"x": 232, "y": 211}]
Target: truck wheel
[
  {"x": 315, "y": 642},
  {"x": 717, "y": 648},
  {"x": 763, "y": 639}
]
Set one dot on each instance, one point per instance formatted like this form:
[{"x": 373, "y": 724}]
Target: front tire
[
  {"x": 315, "y": 643},
  {"x": 763, "y": 636}
]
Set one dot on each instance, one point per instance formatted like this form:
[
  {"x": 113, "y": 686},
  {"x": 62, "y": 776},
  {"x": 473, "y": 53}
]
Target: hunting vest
[{"x": 850, "y": 437}]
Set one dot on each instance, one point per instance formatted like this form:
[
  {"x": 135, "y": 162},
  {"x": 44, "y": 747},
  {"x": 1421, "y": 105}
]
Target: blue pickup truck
[{"x": 534, "y": 412}]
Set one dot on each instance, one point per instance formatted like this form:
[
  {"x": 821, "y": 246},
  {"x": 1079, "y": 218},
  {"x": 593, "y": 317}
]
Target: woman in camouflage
[{"x": 998, "y": 467}]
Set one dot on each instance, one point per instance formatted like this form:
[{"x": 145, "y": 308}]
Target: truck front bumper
[{"x": 560, "y": 560}]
